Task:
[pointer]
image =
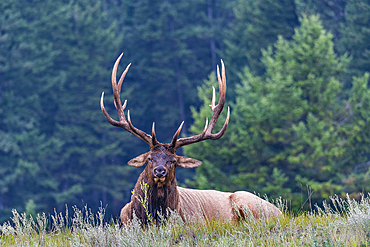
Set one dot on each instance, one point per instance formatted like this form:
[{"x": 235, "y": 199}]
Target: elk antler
[
  {"x": 217, "y": 109},
  {"x": 123, "y": 123}
]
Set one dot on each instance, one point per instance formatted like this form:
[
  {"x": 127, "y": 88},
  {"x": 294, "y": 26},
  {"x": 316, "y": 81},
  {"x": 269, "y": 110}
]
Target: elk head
[{"x": 161, "y": 161}]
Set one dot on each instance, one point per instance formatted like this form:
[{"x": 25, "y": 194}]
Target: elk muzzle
[{"x": 159, "y": 173}]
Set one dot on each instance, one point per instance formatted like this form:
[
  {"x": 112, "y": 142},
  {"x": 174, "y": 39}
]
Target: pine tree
[{"x": 286, "y": 129}]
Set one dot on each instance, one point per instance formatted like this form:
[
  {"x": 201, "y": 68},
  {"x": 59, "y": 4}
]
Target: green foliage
[
  {"x": 356, "y": 36},
  {"x": 256, "y": 26},
  {"x": 355, "y": 127},
  {"x": 53, "y": 70},
  {"x": 331, "y": 13},
  {"x": 288, "y": 127},
  {"x": 31, "y": 208},
  {"x": 23, "y": 145},
  {"x": 168, "y": 46}
]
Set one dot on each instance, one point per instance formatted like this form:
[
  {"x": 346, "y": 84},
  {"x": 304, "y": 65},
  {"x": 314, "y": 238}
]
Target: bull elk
[{"x": 161, "y": 162}]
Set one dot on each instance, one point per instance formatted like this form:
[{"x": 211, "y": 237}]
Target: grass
[{"x": 344, "y": 222}]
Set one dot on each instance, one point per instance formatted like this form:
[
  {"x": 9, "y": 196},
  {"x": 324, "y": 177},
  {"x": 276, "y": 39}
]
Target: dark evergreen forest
[{"x": 297, "y": 76}]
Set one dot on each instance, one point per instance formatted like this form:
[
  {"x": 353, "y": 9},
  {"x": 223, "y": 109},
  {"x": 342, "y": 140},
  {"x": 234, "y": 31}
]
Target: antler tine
[
  {"x": 123, "y": 77},
  {"x": 116, "y": 93},
  {"x": 176, "y": 135},
  {"x": 205, "y": 127},
  {"x": 123, "y": 123},
  {"x": 217, "y": 110},
  {"x": 154, "y": 139},
  {"x": 221, "y": 99},
  {"x": 110, "y": 120},
  {"x": 212, "y": 105}
]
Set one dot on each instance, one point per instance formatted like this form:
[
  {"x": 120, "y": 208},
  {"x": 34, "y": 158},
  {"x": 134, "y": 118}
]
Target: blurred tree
[
  {"x": 355, "y": 40},
  {"x": 88, "y": 167},
  {"x": 24, "y": 60},
  {"x": 331, "y": 14},
  {"x": 355, "y": 127},
  {"x": 256, "y": 26},
  {"x": 56, "y": 141},
  {"x": 356, "y": 36},
  {"x": 171, "y": 45}
]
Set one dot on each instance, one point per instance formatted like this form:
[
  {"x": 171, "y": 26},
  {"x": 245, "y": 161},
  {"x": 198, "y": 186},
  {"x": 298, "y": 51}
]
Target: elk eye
[{"x": 150, "y": 159}]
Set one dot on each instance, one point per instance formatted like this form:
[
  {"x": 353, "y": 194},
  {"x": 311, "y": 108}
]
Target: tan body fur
[{"x": 215, "y": 205}]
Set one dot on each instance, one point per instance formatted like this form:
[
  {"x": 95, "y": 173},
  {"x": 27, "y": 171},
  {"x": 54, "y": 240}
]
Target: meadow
[{"x": 340, "y": 222}]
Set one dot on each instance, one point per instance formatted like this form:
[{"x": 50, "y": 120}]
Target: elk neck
[{"x": 161, "y": 196}]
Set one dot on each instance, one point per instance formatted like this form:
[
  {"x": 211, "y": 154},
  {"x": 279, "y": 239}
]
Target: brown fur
[{"x": 159, "y": 198}]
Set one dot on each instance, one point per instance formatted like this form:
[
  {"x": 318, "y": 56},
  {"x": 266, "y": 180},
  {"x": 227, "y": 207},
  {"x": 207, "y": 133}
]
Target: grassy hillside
[{"x": 338, "y": 223}]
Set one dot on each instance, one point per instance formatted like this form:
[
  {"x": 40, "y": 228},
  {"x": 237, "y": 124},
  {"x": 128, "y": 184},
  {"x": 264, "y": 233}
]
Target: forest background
[{"x": 297, "y": 86}]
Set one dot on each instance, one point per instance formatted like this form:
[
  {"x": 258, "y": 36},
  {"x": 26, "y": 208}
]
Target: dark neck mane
[{"x": 159, "y": 199}]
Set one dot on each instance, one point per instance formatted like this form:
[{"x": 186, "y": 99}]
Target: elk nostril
[{"x": 159, "y": 172}]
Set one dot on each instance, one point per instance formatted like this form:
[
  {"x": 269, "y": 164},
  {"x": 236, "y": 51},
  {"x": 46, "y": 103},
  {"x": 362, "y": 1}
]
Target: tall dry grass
[{"x": 342, "y": 222}]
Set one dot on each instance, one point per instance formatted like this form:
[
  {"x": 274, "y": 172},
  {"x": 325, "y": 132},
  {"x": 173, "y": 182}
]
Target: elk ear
[
  {"x": 138, "y": 161},
  {"x": 187, "y": 162}
]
